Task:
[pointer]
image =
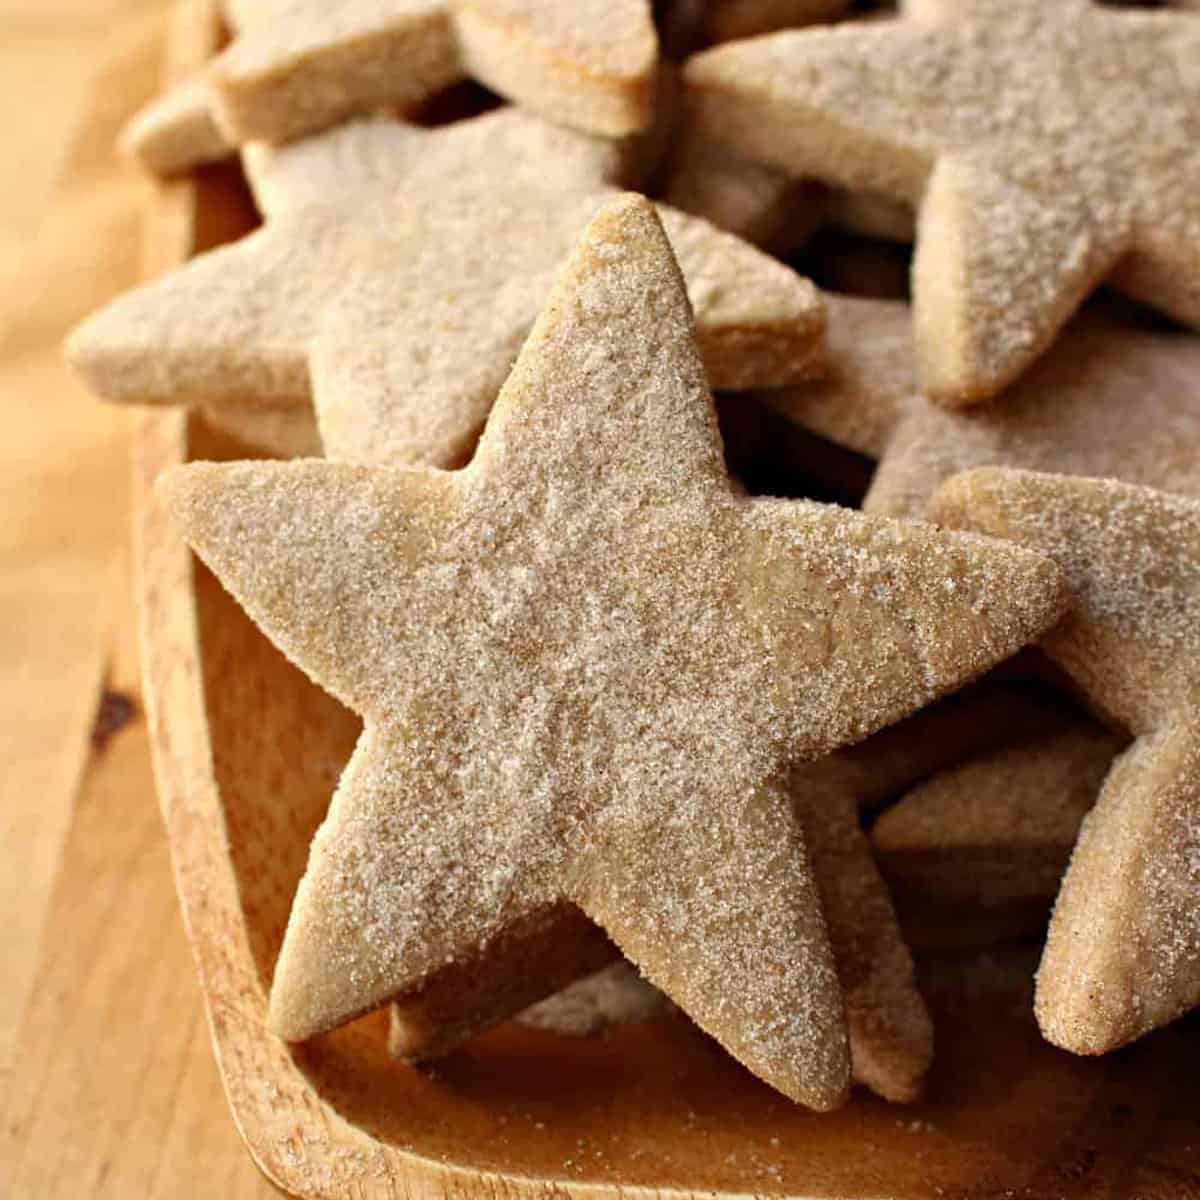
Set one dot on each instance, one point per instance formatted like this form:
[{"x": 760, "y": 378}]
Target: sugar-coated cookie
[
  {"x": 550, "y": 650},
  {"x": 1108, "y": 400},
  {"x": 889, "y": 1033},
  {"x": 1123, "y": 952},
  {"x": 297, "y": 67},
  {"x": 397, "y": 273},
  {"x": 1047, "y": 146}
]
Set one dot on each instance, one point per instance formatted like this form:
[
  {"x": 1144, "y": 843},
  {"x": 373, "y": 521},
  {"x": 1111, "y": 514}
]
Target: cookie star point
[
  {"x": 590, "y": 65},
  {"x": 1068, "y": 413},
  {"x": 1123, "y": 953},
  {"x": 443, "y": 245},
  {"x": 1046, "y": 149}
]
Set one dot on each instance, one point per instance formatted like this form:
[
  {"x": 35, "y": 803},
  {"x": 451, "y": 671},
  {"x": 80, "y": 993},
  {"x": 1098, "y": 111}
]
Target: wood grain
[
  {"x": 115, "y": 1090},
  {"x": 69, "y": 237},
  {"x": 107, "y": 1081}
]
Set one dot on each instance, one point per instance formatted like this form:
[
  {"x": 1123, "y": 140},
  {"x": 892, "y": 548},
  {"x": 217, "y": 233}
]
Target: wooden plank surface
[{"x": 107, "y": 1083}]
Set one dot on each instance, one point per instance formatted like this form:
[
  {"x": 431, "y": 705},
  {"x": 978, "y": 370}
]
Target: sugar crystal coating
[
  {"x": 396, "y": 276},
  {"x": 1048, "y": 146},
  {"x": 553, "y": 647},
  {"x": 1123, "y": 954},
  {"x": 297, "y": 67},
  {"x": 1108, "y": 400}
]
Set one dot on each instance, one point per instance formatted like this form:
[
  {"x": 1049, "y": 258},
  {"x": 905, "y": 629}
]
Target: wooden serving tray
[{"x": 247, "y": 754}]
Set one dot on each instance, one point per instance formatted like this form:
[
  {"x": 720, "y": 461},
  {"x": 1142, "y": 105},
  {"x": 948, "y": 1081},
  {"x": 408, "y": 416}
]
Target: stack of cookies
[{"x": 630, "y": 688}]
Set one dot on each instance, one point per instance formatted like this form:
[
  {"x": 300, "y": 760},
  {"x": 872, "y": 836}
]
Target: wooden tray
[{"x": 247, "y": 753}]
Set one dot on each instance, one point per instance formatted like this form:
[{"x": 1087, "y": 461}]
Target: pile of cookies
[{"x": 616, "y": 700}]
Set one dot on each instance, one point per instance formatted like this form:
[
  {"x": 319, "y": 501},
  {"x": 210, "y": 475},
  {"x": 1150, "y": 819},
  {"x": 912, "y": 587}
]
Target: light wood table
[{"x": 107, "y": 1084}]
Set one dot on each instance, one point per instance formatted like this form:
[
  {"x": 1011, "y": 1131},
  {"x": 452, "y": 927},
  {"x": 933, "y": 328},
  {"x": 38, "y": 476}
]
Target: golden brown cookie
[
  {"x": 297, "y": 67},
  {"x": 1123, "y": 953},
  {"x": 889, "y": 1032},
  {"x": 551, "y": 649},
  {"x": 1048, "y": 147},
  {"x": 984, "y": 844},
  {"x": 397, "y": 273},
  {"x": 589, "y": 64},
  {"x": 1108, "y": 400}
]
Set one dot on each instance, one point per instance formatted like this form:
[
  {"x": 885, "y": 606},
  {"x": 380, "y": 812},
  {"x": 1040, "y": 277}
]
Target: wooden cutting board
[{"x": 107, "y": 1082}]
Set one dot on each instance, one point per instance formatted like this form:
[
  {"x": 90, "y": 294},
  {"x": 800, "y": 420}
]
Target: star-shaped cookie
[
  {"x": 297, "y": 67},
  {"x": 583, "y": 663},
  {"x": 1048, "y": 146},
  {"x": 397, "y": 273},
  {"x": 1108, "y": 400},
  {"x": 1123, "y": 952},
  {"x": 889, "y": 1034}
]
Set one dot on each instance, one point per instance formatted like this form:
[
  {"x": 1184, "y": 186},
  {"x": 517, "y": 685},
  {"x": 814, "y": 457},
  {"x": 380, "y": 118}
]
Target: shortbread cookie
[
  {"x": 1048, "y": 146},
  {"x": 1123, "y": 953},
  {"x": 1107, "y": 401},
  {"x": 179, "y": 129},
  {"x": 552, "y": 648},
  {"x": 297, "y": 67},
  {"x": 987, "y": 842},
  {"x": 589, "y": 64},
  {"x": 396, "y": 275},
  {"x": 879, "y": 997},
  {"x": 889, "y": 1034}
]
